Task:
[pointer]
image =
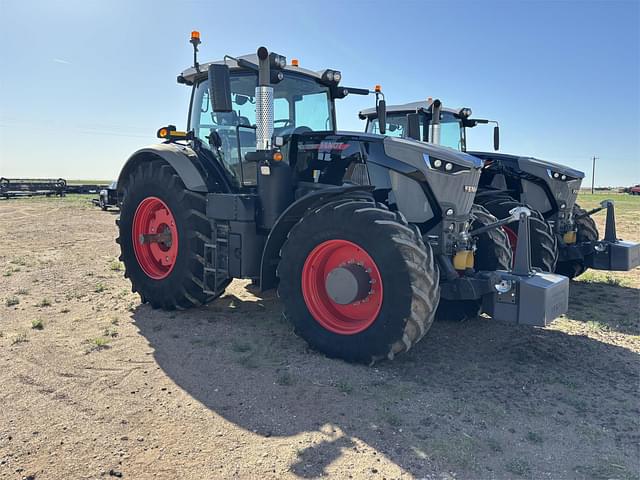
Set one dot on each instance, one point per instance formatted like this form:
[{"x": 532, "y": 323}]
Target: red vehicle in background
[{"x": 635, "y": 190}]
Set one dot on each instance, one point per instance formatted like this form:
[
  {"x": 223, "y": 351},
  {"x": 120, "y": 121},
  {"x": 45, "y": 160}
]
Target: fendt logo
[{"x": 470, "y": 188}]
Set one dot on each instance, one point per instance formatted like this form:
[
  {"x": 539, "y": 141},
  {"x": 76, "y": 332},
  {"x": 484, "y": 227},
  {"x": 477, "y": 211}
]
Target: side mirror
[
  {"x": 413, "y": 126},
  {"x": 220, "y": 88},
  {"x": 496, "y": 138},
  {"x": 381, "y": 111}
]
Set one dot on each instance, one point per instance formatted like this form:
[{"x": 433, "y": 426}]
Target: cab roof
[
  {"x": 404, "y": 108},
  {"x": 190, "y": 75}
]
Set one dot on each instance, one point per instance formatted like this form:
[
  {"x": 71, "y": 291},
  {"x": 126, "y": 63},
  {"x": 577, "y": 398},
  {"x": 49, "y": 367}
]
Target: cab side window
[
  {"x": 396, "y": 126},
  {"x": 236, "y": 129}
]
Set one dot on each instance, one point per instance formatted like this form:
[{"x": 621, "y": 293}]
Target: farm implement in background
[{"x": 30, "y": 187}]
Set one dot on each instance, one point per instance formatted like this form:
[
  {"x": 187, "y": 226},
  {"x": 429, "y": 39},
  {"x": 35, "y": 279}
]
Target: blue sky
[{"x": 84, "y": 83}]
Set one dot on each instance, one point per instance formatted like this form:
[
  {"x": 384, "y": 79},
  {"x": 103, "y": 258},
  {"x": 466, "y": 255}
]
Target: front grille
[{"x": 455, "y": 190}]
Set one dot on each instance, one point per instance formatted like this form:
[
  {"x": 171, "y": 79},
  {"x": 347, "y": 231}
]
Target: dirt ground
[{"x": 96, "y": 385}]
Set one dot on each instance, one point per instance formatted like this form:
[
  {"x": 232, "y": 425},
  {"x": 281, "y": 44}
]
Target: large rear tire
[
  {"x": 492, "y": 253},
  {"x": 402, "y": 290},
  {"x": 167, "y": 274},
  {"x": 586, "y": 231},
  {"x": 544, "y": 245}
]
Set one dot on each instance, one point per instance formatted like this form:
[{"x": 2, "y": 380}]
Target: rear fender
[{"x": 291, "y": 216}]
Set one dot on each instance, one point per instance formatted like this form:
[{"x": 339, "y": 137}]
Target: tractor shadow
[
  {"x": 464, "y": 400},
  {"x": 613, "y": 306}
]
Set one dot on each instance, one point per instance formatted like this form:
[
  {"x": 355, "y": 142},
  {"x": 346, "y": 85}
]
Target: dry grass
[{"x": 228, "y": 391}]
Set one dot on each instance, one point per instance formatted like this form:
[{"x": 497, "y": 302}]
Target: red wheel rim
[
  {"x": 513, "y": 241},
  {"x": 156, "y": 257},
  {"x": 341, "y": 319}
]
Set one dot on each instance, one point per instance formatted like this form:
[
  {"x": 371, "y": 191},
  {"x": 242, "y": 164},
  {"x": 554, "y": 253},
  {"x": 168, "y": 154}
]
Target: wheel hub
[
  {"x": 155, "y": 238},
  {"x": 348, "y": 284},
  {"x": 342, "y": 287}
]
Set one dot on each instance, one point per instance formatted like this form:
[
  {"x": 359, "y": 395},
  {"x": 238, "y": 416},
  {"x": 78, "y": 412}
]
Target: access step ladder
[{"x": 216, "y": 259}]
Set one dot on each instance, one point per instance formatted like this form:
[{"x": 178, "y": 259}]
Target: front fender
[
  {"x": 291, "y": 216},
  {"x": 182, "y": 158}
]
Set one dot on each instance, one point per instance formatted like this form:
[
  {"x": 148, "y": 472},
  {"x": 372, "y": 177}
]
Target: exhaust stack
[
  {"x": 264, "y": 102},
  {"x": 434, "y": 134}
]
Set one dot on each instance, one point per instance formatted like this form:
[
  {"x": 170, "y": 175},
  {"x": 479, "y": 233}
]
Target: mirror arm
[
  {"x": 242, "y": 63},
  {"x": 356, "y": 91}
]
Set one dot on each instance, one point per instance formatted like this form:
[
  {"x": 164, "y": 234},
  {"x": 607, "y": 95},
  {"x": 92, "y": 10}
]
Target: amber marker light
[
  {"x": 277, "y": 156},
  {"x": 378, "y": 88},
  {"x": 295, "y": 62}
]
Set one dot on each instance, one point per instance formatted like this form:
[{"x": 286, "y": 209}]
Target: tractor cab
[
  {"x": 303, "y": 105},
  {"x": 415, "y": 120}
]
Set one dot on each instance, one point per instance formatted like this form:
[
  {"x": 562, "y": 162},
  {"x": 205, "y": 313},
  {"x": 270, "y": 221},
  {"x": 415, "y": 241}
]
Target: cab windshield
[
  {"x": 451, "y": 131},
  {"x": 301, "y": 104}
]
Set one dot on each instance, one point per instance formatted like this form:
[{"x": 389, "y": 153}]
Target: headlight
[
  {"x": 559, "y": 176},
  {"x": 277, "y": 61},
  {"x": 331, "y": 76},
  {"x": 437, "y": 164}
]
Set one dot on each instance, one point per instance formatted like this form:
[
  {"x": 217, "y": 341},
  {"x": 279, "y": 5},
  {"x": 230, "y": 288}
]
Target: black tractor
[
  {"x": 361, "y": 234},
  {"x": 564, "y": 237}
]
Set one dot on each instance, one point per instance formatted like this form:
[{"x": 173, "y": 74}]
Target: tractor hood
[
  {"x": 455, "y": 187},
  {"x": 548, "y": 187},
  {"x": 445, "y": 154},
  {"x": 414, "y": 152},
  {"x": 530, "y": 164},
  {"x": 452, "y": 188}
]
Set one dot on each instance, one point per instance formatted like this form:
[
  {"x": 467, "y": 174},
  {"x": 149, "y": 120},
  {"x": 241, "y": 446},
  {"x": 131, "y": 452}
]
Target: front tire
[
  {"x": 401, "y": 287},
  {"x": 544, "y": 245},
  {"x": 167, "y": 274},
  {"x": 586, "y": 231}
]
